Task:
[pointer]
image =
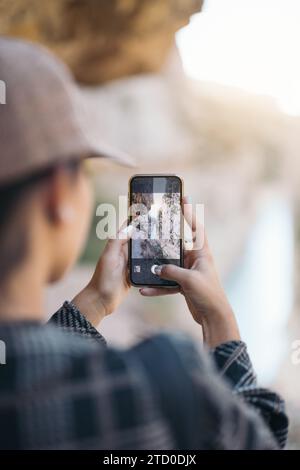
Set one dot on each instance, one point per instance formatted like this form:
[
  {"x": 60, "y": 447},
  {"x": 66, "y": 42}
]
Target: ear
[{"x": 58, "y": 198}]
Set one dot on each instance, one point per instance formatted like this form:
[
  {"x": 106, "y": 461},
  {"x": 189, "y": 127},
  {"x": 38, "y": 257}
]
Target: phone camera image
[{"x": 155, "y": 207}]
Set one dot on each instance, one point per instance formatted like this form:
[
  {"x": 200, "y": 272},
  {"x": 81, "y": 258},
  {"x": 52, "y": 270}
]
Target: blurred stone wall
[{"x": 99, "y": 39}]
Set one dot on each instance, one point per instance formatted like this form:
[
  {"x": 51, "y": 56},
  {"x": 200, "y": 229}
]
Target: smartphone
[{"x": 155, "y": 212}]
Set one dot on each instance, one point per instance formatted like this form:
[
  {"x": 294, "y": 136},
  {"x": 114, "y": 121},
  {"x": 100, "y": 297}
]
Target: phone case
[{"x": 181, "y": 227}]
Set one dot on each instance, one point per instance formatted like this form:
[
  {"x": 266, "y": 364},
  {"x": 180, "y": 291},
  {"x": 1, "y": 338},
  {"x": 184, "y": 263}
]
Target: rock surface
[{"x": 99, "y": 39}]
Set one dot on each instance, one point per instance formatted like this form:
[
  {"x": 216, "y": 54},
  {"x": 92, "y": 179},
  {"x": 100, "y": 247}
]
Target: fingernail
[
  {"x": 158, "y": 270},
  {"x": 126, "y": 232}
]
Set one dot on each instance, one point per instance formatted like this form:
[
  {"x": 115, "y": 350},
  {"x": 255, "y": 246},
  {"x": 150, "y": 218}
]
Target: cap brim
[{"x": 101, "y": 150}]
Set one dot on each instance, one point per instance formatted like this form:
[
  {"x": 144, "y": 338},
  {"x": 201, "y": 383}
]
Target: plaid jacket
[{"x": 63, "y": 388}]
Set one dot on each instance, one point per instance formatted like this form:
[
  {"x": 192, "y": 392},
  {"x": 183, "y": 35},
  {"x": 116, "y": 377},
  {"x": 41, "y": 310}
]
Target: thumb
[
  {"x": 172, "y": 272},
  {"x": 114, "y": 245}
]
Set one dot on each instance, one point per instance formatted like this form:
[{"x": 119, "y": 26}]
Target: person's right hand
[{"x": 199, "y": 283}]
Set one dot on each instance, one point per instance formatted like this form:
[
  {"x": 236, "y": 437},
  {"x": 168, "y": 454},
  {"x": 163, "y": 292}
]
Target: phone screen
[{"x": 155, "y": 210}]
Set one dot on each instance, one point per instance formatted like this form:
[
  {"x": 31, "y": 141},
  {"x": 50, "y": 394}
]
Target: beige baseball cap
[{"x": 43, "y": 117}]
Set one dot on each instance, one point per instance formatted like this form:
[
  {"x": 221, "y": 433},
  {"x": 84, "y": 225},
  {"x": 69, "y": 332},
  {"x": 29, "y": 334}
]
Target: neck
[{"x": 21, "y": 296}]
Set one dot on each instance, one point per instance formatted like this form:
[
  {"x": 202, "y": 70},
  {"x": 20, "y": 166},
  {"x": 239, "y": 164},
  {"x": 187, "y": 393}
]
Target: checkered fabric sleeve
[
  {"x": 234, "y": 364},
  {"x": 71, "y": 320}
]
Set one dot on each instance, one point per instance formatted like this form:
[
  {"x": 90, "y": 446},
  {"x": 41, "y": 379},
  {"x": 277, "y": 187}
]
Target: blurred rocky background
[
  {"x": 100, "y": 40},
  {"x": 237, "y": 153}
]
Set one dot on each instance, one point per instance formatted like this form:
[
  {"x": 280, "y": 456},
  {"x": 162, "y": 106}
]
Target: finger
[
  {"x": 158, "y": 291},
  {"x": 189, "y": 235},
  {"x": 187, "y": 209},
  {"x": 195, "y": 220},
  {"x": 125, "y": 250},
  {"x": 173, "y": 273},
  {"x": 114, "y": 245},
  {"x": 189, "y": 230},
  {"x": 125, "y": 232}
]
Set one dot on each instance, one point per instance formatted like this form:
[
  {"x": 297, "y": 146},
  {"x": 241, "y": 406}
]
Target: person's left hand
[{"x": 109, "y": 283}]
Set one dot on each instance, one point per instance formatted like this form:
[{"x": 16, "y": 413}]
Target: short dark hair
[{"x": 13, "y": 240}]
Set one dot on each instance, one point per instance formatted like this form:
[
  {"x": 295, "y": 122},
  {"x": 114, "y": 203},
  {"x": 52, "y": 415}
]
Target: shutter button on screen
[{"x": 153, "y": 268}]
